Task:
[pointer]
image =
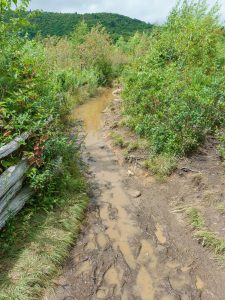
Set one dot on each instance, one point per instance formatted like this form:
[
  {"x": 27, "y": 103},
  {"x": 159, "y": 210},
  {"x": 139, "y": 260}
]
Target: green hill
[{"x": 60, "y": 24}]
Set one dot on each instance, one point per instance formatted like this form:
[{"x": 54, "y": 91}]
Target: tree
[
  {"x": 79, "y": 33},
  {"x": 7, "y": 4}
]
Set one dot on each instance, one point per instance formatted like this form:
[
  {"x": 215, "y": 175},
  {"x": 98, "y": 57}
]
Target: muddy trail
[{"x": 133, "y": 244}]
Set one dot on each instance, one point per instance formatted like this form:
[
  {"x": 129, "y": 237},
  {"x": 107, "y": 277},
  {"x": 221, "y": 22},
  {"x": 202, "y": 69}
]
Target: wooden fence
[{"x": 13, "y": 193}]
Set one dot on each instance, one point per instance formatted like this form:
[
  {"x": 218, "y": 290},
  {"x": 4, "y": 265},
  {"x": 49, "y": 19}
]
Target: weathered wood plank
[
  {"x": 15, "y": 205},
  {"x": 5, "y": 200},
  {"x": 13, "y": 145},
  {"x": 11, "y": 176}
]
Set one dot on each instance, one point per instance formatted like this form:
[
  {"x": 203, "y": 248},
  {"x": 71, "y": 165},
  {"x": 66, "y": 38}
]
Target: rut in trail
[{"x": 125, "y": 250}]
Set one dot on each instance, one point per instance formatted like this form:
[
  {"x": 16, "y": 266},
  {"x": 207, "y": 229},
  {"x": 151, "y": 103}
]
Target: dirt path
[{"x": 133, "y": 246}]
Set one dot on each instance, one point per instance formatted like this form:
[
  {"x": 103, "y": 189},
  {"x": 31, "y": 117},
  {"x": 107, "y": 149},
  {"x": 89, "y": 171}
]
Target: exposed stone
[
  {"x": 117, "y": 92},
  {"x": 134, "y": 193},
  {"x": 130, "y": 173}
]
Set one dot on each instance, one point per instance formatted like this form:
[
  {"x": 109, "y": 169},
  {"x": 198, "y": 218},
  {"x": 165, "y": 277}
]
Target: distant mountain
[{"x": 60, "y": 24}]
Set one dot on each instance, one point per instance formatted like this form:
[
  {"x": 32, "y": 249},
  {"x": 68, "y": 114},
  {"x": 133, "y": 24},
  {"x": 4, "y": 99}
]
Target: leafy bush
[
  {"x": 32, "y": 99},
  {"x": 175, "y": 93},
  {"x": 96, "y": 52},
  {"x": 84, "y": 61}
]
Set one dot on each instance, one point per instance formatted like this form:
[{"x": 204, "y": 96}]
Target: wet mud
[{"x": 126, "y": 250}]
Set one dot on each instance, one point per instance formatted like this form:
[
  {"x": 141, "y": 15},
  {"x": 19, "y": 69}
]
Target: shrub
[
  {"x": 96, "y": 52},
  {"x": 175, "y": 92}
]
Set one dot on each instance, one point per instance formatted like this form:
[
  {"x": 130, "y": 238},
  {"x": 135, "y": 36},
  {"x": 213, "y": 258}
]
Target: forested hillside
[{"x": 61, "y": 24}]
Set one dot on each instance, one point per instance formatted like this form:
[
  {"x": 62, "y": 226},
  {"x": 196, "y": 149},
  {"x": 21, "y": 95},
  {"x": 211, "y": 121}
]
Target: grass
[
  {"x": 35, "y": 244},
  {"x": 133, "y": 146},
  {"x": 126, "y": 154},
  {"x": 161, "y": 165},
  {"x": 118, "y": 140},
  {"x": 196, "y": 219},
  {"x": 221, "y": 208},
  {"x": 210, "y": 199},
  {"x": 208, "y": 239}
]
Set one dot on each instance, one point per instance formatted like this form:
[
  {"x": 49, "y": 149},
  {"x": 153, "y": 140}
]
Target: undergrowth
[
  {"x": 35, "y": 244},
  {"x": 196, "y": 219},
  {"x": 162, "y": 165},
  {"x": 118, "y": 140},
  {"x": 174, "y": 91}
]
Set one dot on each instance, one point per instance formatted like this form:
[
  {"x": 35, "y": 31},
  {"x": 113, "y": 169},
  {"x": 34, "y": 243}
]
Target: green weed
[
  {"x": 162, "y": 165},
  {"x": 133, "y": 146},
  {"x": 195, "y": 218},
  {"x": 118, "y": 140},
  {"x": 221, "y": 208},
  {"x": 210, "y": 240}
]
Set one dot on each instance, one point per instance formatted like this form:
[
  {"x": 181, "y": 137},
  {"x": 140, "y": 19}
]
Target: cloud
[{"x": 153, "y": 11}]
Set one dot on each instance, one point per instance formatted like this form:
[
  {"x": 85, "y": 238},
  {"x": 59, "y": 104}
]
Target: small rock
[
  {"x": 102, "y": 146},
  {"x": 135, "y": 194},
  {"x": 113, "y": 126},
  {"x": 130, "y": 173},
  {"x": 117, "y": 100},
  {"x": 91, "y": 159},
  {"x": 105, "y": 110},
  {"x": 117, "y": 92}
]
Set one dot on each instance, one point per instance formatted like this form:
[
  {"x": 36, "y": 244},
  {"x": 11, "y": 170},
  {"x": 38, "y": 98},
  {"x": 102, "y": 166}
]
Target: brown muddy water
[
  {"x": 114, "y": 258},
  {"x": 91, "y": 113}
]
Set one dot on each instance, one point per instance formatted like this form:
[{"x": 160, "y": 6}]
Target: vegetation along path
[{"x": 135, "y": 245}]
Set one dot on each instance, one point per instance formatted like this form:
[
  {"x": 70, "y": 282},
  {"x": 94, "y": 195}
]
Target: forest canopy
[{"x": 61, "y": 24}]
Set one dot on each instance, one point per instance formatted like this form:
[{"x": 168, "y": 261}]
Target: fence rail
[
  {"x": 13, "y": 145},
  {"x": 13, "y": 194}
]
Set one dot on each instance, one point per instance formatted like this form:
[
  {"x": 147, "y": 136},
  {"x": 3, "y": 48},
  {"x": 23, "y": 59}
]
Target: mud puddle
[{"x": 118, "y": 256}]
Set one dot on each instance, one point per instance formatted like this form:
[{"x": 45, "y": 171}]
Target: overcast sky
[{"x": 153, "y": 11}]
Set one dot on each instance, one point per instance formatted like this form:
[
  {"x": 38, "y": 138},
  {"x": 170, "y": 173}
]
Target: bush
[
  {"x": 83, "y": 61},
  {"x": 32, "y": 99},
  {"x": 175, "y": 92},
  {"x": 96, "y": 52}
]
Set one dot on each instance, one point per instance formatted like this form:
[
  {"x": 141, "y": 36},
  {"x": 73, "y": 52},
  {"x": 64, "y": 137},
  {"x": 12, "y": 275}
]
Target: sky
[{"x": 152, "y": 11}]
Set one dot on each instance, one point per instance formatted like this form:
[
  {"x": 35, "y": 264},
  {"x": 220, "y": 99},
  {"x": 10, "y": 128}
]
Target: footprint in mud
[
  {"x": 108, "y": 185},
  {"x": 160, "y": 234},
  {"x": 102, "y": 240},
  {"x": 144, "y": 285},
  {"x": 199, "y": 283},
  {"x": 147, "y": 256},
  {"x": 113, "y": 212}
]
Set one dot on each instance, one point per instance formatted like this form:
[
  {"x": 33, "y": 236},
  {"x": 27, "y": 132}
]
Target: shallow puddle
[{"x": 91, "y": 112}]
